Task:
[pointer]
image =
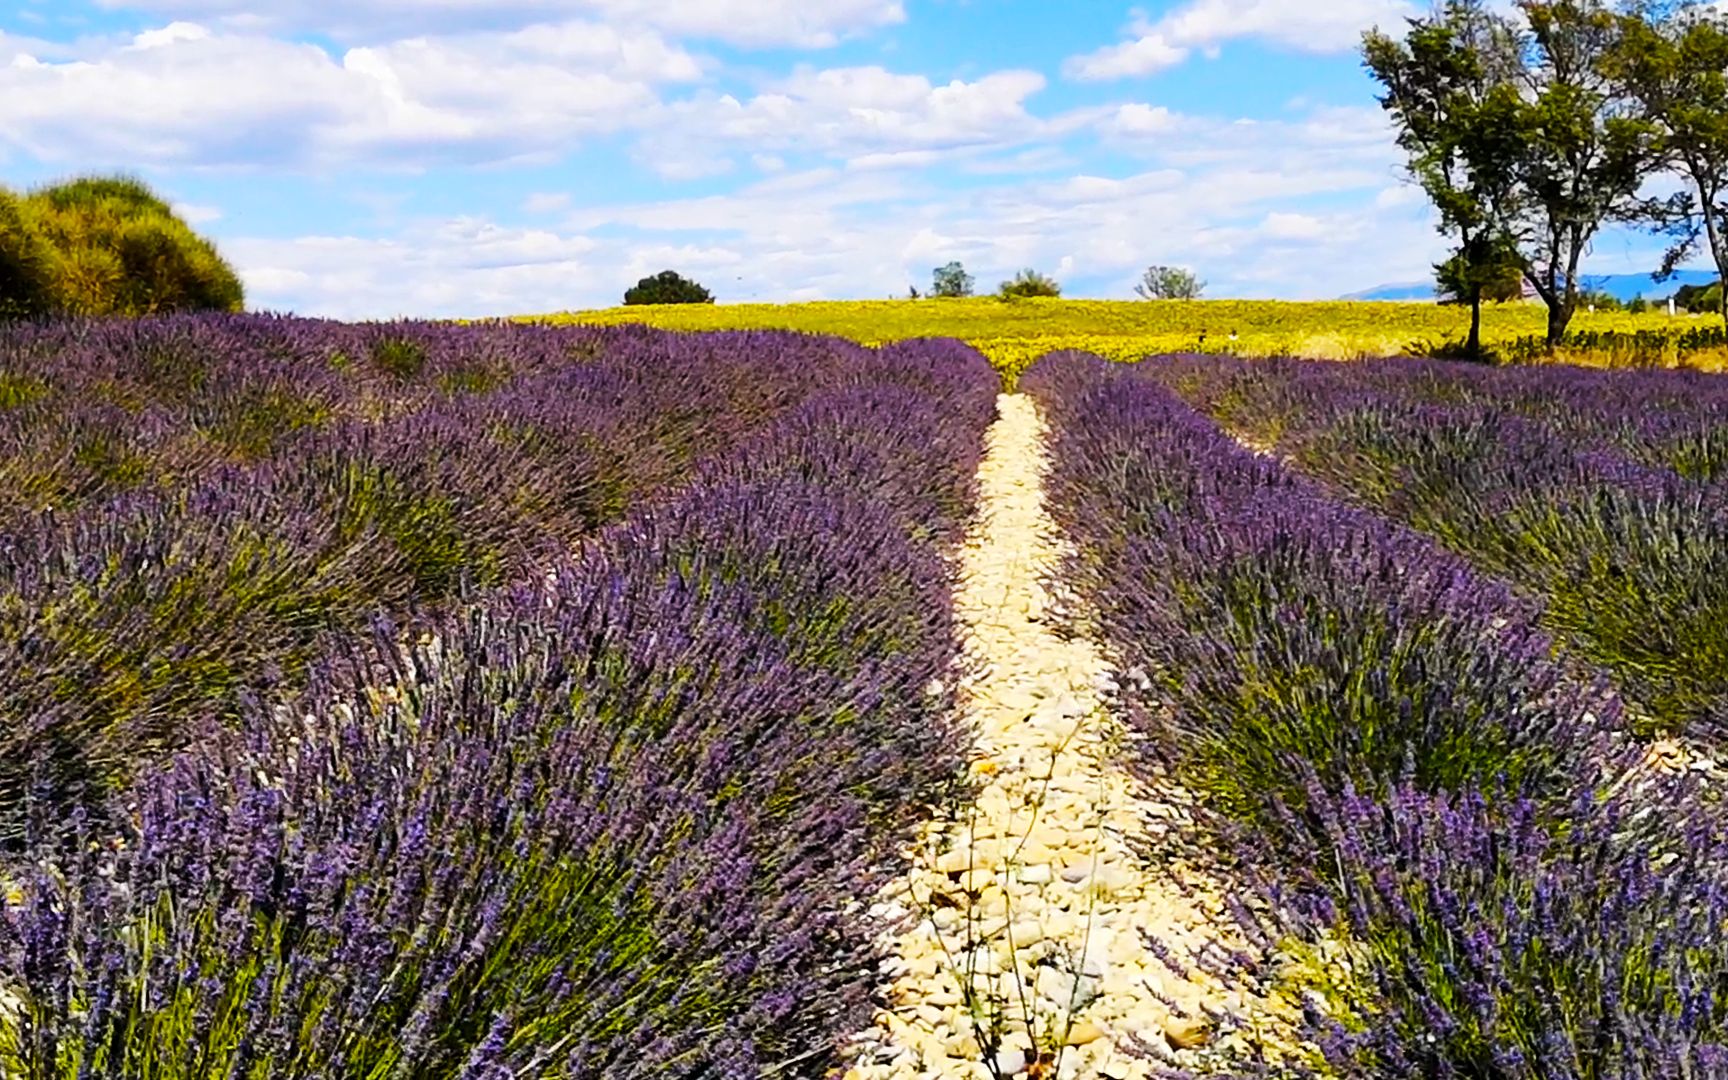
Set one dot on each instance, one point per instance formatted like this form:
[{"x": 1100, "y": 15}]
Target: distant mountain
[
  {"x": 1417, "y": 291},
  {"x": 1622, "y": 287}
]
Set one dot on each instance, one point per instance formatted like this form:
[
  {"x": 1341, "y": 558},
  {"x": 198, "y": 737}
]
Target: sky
[{"x": 376, "y": 158}]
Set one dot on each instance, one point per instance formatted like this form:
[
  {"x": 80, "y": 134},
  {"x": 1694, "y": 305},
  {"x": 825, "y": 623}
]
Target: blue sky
[{"x": 369, "y": 158}]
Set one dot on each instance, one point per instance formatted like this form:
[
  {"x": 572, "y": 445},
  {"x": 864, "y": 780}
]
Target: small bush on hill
[
  {"x": 106, "y": 246},
  {"x": 668, "y": 287},
  {"x": 1028, "y": 283}
]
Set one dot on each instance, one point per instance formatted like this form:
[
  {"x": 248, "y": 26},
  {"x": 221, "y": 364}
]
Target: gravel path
[{"x": 1018, "y": 943}]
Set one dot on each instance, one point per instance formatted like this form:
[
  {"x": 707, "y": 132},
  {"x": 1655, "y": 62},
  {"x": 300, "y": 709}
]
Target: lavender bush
[
  {"x": 151, "y": 594},
  {"x": 1521, "y": 940},
  {"x": 1385, "y": 743},
  {"x": 617, "y": 822},
  {"x": 1273, "y": 625},
  {"x": 1604, "y": 503}
]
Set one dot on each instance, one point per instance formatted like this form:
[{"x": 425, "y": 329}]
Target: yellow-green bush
[
  {"x": 106, "y": 246},
  {"x": 25, "y": 262}
]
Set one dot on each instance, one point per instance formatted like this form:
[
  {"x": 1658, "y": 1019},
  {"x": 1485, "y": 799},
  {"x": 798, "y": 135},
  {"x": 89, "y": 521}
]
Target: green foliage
[
  {"x": 261, "y": 418},
  {"x": 951, "y": 280},
  {"x": 1028, "y": 283},
  {"x": 1638, "y": 306},
  {"x": 399, "y": 356},
  {"x": 1699, "y": 297},
  {"x": 26, "y": 263},
  {"x": 1480, "y": 274},
  {"x": 668, "y": 287},
  {"x": 1169, "y": 283},
  {"x": 106, "y": 246},
  {"x": 1674, "y": 68}
]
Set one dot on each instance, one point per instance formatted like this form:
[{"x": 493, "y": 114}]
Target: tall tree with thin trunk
[
  {"x": 1450, "y": 88},
  {"x": 1588, "y": 148},
  {"x": 1674, "y": 65}
]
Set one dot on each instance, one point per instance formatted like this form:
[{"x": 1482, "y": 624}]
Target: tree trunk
[
  {"x": 1559, "y": 316},
  {"x": 1566, "y": 294},
  {"x": 1473, "y": 347},
  {"x": 1713, "y": 234}
]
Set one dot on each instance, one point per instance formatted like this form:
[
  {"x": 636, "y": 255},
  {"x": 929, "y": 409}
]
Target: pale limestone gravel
[{"x": 1031, "y": 905}]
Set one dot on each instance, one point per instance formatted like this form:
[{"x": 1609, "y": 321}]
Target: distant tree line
[
  {"x": 106, "y": 246},
  {"x": 1532, "y": 130},
  {"x": 1157, "y": 283}
]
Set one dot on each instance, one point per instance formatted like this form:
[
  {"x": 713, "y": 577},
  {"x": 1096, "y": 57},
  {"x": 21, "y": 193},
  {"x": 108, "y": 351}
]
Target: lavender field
[{"x": 418, "y": 700}]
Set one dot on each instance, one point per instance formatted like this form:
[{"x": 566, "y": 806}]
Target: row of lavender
[
  {"x": 164, "y": 570},
  {"x": 1410, "y": 777},
  {"x": 1606, "y": 494},
  {"x": 90, "y": 409},
  {"x": 616, "y": 820}
]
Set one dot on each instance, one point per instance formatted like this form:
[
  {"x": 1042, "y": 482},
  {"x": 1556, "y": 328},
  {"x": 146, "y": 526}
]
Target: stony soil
[{"x": 1019, "y": 935}]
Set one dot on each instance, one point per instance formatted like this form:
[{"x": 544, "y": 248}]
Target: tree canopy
[
  {"x": 951, "y": 280},
  {"x": 1169, "y": 283},
  {"x": 667, "y": 287}
]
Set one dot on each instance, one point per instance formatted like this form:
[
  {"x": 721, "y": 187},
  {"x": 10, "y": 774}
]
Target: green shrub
[
  {"x": 1028, "y": 283},
  {"x": 27, "y": 264},
  {"x": 399, "y": 356},
  {"x": 106, "y": 246}
]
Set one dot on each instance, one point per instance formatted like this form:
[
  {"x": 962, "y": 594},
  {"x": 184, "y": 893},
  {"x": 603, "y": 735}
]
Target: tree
[
  {"x": 1520, "y": 132},
  {"x": 1674, "y": 65},
  {"x": 1589, "y": 149},
  {"x": 1450, "y": 90},
  {"x": 1026, "y": 283},
  {"x": 1169, "y": 283},
  {"x": 951, "y": 280},
  {"x": 667, "y": 287}
]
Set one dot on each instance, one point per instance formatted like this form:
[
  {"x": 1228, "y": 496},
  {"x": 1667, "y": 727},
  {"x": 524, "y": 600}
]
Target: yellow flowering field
[{"x": 1014, "y": 333}]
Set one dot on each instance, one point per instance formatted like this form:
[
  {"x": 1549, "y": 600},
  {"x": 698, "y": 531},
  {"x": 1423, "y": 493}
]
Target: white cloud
[
  {"x": 740, "y": 22},
  {"x": 168, "y": 35},
  {"x": 545, "y": 203},
  {"x": 460, "y": 267},
  {"x": 197, "y": 215},
  {"x": 1287, "y": 228},
  {"x": 1204, "y": 25},
  {"x": 1139, "y": 120},
  {"x": 867, "y": 116},
  {"x": 186, "y": 95},
  {"x": 1353, "y": 140}
]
